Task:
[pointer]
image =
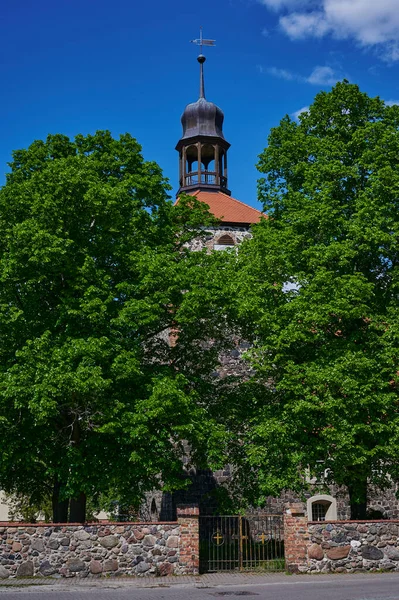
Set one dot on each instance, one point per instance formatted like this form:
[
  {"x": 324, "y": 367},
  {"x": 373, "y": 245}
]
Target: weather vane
[{"x": 202, "y": 42}]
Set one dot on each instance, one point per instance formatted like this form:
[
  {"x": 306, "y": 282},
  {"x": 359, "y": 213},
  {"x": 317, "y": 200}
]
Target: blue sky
[{"x": 74, "y": 66}]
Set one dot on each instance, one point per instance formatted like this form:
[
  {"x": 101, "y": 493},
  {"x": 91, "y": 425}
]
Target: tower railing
[{"x": 206, "y": 177}]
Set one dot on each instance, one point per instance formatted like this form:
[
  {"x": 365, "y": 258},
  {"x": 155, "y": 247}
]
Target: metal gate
[{"x": 252, "y": 542}]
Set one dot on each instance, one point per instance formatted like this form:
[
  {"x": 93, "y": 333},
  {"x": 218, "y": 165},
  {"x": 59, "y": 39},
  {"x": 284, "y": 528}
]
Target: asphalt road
[{"x": 350, "y": 587}]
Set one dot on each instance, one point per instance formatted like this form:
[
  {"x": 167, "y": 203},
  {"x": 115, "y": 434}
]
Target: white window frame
[{"x": 331, "y": 514}]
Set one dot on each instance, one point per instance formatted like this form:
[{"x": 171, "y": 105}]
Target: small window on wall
[
  {"x": 322, "y": 508},
  {"x": 224, "y": 242},
  {"x": 319, "y": 510}
]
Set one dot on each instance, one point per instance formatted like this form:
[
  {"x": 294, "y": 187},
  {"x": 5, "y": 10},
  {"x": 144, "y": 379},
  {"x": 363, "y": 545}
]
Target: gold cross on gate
[
  {"x": 217, "y": 538},
  {"x": 262, "y": 538}
]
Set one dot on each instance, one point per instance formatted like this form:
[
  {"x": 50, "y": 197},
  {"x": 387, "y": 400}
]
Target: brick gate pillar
[
  {"x": 188, "y": 520},
  {"x": 296, "y": 538}
]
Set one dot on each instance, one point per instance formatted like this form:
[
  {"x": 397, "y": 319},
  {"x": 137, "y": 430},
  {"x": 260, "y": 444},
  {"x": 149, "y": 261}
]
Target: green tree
[
  {"x": 319, "y": 294},
  {"x": 94, "y": 269}
]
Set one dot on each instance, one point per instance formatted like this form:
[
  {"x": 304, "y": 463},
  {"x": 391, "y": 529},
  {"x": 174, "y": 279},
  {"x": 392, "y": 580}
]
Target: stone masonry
[
  {"x": 339, "y": 546},
  {"x": 213, "y": 234},
  {"x": 101, "y": 549},
  {"x": 348, "y": 546}
]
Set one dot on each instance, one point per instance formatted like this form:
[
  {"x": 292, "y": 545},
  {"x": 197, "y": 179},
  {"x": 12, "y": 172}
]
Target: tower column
[
  {"x": 199, "y": 162},
  {"x": 217, "y": 166},
  {"x": 184, "y": 166}
]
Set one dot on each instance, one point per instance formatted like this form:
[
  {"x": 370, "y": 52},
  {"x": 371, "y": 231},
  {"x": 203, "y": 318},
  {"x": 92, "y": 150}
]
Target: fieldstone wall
[
  {"x": 346, "y": 547},
  {"x": 339, "y": 546},
  {"x": 106, "y": 549}
]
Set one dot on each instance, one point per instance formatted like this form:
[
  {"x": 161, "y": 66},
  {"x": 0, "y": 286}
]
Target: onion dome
[{"x": 202, "y": 117}]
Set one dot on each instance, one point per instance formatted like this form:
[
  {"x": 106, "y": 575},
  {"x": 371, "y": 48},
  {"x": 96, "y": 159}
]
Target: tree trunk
[
  {"x": 358, "y": 500},
  {"x": 77, "y": 512},
  {"x": 60, "y": 508},
  {"x": 77, "y": 509}
]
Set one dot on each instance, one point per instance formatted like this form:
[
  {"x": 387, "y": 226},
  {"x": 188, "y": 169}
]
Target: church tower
[
  {"x": 202, "y": 147},
  {"x": 203, "y": 166}
]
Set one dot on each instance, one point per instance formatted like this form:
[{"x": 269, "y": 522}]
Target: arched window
[
  {"x": 191, "y": 166},
  {"x": 322, "y": 508},
  {"x": 208, "y": 164},
  {"x": 224, "y": 242}
]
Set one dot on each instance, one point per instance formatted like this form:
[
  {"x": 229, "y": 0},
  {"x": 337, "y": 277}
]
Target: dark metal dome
[{"x": 202, "y": 118}]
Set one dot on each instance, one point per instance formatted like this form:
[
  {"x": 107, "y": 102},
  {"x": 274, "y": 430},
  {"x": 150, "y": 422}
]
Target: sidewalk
[
  {"x": 209, "y": 580},
  {"x": 206, "y": 580}
]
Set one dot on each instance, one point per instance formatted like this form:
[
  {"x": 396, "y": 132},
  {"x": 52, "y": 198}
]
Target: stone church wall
[
  {"x": 206, "y": 485},
  {"x": 237, "y": 233},
  {"x": 383, "y": 503}
]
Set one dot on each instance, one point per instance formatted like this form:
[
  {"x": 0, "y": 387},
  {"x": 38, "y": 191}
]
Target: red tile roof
[{"x": 228, "y": 209}]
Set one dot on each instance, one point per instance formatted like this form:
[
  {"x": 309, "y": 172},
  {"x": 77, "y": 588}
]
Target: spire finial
[{"x": 201, "y": 59}]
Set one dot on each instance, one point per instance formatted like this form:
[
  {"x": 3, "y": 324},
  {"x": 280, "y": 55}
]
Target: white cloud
[
  {"x": 368, "y": 22},
  {"x": 278, "y": 4},
  {"x": 391, "y": 102},
  {"x": 301, "y": 25},
  {"x": 391, "y": 52},
  {"x": 321, "y": 76},
  {"x": 282, "y": 74},
  {"x": 299, "y": 112}
]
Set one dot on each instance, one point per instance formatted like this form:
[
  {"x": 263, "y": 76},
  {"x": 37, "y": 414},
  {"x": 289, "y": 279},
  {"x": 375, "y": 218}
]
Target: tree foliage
[
  {"x": 94, "y": 271},
  {"x": 319, "y": 294}
]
